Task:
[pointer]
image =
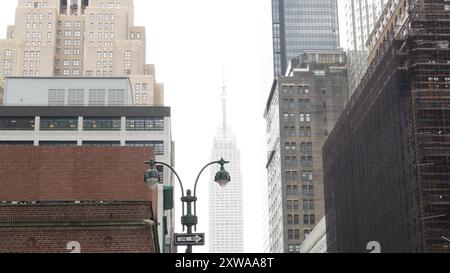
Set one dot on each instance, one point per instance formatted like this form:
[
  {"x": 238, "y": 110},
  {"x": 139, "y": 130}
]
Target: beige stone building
[{"x": 93, "y": 38}]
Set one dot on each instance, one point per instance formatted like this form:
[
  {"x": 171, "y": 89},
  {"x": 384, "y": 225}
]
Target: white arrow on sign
[{"x": 195, "y": 239}]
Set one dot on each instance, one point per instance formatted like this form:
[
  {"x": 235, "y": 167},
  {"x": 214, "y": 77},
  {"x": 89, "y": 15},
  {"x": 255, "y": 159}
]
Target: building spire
[{"x": 224, "y": 104}]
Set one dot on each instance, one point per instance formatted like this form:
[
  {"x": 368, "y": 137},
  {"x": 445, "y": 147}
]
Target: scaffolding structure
[
  {"x": 428, "y": 61},
  {"x": 387, "y": 163}
]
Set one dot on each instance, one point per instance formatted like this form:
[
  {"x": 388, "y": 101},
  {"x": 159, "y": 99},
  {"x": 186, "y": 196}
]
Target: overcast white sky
[{"x": 190, "y": 42}]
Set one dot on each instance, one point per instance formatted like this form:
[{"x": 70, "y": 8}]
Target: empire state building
[{"x": 225, "y": 203}]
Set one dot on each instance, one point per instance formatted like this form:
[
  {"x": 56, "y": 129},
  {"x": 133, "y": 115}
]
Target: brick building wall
[
  {"x": 96, "y": 197},
  {"x": 73, "y": 173},
  {"x": 91, "y": 240}
]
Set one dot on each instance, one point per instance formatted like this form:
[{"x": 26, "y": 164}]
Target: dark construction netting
[{"x": 387, "y": 163}]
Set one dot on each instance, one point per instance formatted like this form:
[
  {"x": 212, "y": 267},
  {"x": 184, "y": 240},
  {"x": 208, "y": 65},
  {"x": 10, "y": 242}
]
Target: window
[
  {"x": 56, "y": 97},
  {"x": 58, "y": 143},
  {"x": 17, "y": 123},
  {"x": 76, "y": 97},
  {"x": 145, "y": 124},
  {"x": 305, "y": 104},
  {"x": 308, "y": 190},
  {"x": 289, "y": 205},
  {"x": 158, "y": 146},
  {"x": 291, "y": 176},
  {"x": 305, "y": 117},
  {"x": 308, "y": 204},
  {"x": 59, "y": 124},
  {"x": 290, "y": 234},
  {"x": 306, "y": 147},
  {"x": 289, "y": 131},
  {"x": 127, "y": 53},
  {"x": 305, "y": 131},
  {"x": 144, "y": 87},
  {"x": 288, "y": 190},
  {"x": 307, "y": 176},
  {"x": 21, "y": 143},
  {"x": 291, "y": 249},
  {"x": 101, "y": 143},
  {"x": 116, "y": 96},
  {"x": 290, "y": 219},
  {"x": 97, "y": 97},
  {"x": 309, "y": 219},
  {"x": 102, "y": 124},
  {"x": 319, "y": 73},
  {"x": 297, "y": 236}
]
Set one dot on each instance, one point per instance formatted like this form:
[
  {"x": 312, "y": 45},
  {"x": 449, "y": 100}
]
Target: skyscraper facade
[
  {"x": 226, "y": 217},
  {"x": 387, "y": 163},
  {"x": 300, "y": 25},
  {"x": 361, "y": 17},
  {"x": 301, "y": 111},
  {"x": 91, "y": 38}
]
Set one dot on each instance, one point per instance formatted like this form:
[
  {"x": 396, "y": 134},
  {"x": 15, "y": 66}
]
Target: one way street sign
[{"x": 190, "y": 239}]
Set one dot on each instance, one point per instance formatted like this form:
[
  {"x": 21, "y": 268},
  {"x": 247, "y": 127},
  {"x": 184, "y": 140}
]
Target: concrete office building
[
  {"x": 301, "y": 111},
  {"x": 361, "y": 17},
  {"x": 226, "y": 216},
  {"x": 300, "y": 25},
  {"x": 97, "y": 126},
  {"x": 88, "y": 111},
  {"x": 92, "y": 38}
]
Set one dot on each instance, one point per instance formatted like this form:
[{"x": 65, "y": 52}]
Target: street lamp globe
[
  {"x": 151, "y": 178},
  {"x": 222, "y": 177}
]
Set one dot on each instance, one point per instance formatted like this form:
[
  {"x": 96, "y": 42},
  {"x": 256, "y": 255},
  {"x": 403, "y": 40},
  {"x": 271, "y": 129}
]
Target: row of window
[
  {"x": 290, "y": 117},
  {"x": 293, "y": 205},
  {"x": 292, "y": 162},
  {"x": 305, "y": 131},
  {"x": 76, "y": 24},
  {"x": 306, "y": 176},
  {"x": 302, "y": 104},
  {"x": 77, "y": 97},
  {"x": 38, "y": 25},
  {"x": 89, "y": 123},
  {"x": 68, "y": 51},
  {"x": 158, "y": 146},
  {"x": 308, "y": 219},
  {"x": 305, "y": 147},
  {"x": 101, "y": 17},
  {"x": 293, "y": 190},
  {"x": 32, "y": 54},
  {"x": 292, "y": 90}
]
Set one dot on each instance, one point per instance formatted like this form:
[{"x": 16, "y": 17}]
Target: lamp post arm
[
  {"x": 198, "y": 177},
  {"x": 176, "y": 174}
]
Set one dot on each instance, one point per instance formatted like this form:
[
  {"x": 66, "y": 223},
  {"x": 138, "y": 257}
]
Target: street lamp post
[{"x": 189, "y": 219}]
